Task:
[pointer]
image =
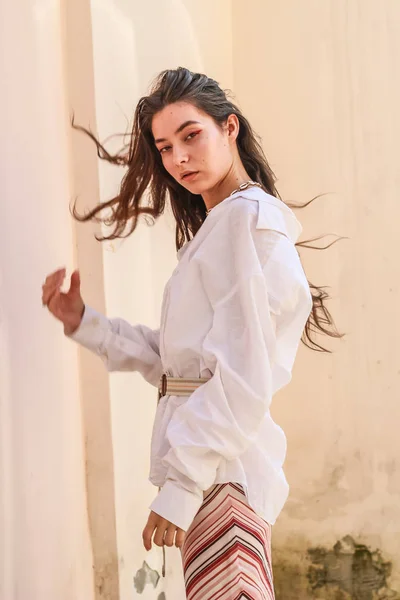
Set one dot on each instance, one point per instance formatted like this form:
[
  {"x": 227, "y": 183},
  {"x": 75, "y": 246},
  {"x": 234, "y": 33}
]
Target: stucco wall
[
  {"x": 45, "y": 550},
  {"x": 318, "y": 81}
]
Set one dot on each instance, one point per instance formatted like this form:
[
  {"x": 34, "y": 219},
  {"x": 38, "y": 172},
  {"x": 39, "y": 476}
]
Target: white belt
[{"x": 179, "y": 386}]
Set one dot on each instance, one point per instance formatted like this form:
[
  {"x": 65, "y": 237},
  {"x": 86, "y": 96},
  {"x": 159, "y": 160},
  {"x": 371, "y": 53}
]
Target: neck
[{"x": 223, "y": 189}]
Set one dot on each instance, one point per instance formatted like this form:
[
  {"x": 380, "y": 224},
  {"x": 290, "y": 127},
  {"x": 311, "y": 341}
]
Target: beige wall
[
  {"x": 45, "y": 551},
  {"x": 324, "y": 94},
  {"x": 318, "y": 82}
]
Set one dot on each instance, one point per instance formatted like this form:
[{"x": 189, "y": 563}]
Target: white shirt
[{"x": 234, "y": 310}]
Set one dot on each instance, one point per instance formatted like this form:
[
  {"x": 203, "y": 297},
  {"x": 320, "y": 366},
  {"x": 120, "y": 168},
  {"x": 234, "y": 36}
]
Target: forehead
[{"x": 167, "y": 121}]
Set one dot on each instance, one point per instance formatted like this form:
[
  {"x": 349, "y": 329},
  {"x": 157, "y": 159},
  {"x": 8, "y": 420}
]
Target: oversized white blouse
[{"x": 234, "y": 310}]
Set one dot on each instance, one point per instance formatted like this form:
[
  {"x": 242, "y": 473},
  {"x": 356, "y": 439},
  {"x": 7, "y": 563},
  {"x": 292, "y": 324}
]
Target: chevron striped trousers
[{"x": 226, "y": 554}]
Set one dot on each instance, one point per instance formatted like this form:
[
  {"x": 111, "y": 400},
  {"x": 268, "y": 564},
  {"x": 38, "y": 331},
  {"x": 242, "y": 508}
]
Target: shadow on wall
[{"x": 350, "y": 571}]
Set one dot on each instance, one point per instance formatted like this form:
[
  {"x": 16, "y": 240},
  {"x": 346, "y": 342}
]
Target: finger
[
  {"x": 179, "y": 538},
  {"x": 170, "y": 535},
  {"x": 52, "y": 277},
  {"x": 75, "y": 282},
  {"x": 49, "y": 291},
  {"x": 147, "y": 535},
  {"x": 159, "y": 534},
  {"x": 52, "y": 301},
  {"x": 51, "y": 284}
]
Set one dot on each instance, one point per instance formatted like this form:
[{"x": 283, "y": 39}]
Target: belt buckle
[{"x": 163, "y": 384}]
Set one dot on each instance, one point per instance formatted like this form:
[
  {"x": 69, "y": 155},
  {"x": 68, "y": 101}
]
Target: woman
[{"x": 233, "y": 314}]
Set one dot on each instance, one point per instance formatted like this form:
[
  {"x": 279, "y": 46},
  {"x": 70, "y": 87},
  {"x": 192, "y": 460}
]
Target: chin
[{"x": 196, "y": 187}]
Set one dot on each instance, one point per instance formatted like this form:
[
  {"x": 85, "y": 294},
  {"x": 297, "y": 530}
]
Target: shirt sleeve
[
  {"x": 121, "y": 346},
  {"x": 222, "y": 417}
]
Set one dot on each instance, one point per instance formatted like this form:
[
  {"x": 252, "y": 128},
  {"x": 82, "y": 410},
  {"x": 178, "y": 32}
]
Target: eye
[
  {"x": 190, "y": 136},
  {"x": 194, "y": 133}
]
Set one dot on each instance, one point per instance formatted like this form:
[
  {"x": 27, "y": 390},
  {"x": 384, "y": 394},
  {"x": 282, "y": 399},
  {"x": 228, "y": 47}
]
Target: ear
[{"x": 232, "y": 126}]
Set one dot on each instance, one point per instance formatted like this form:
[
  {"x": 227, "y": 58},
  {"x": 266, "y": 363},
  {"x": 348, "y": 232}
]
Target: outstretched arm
[{"x": 121, "y": 346}]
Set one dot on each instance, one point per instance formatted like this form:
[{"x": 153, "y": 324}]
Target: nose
[{"x": 180, "y": 156}]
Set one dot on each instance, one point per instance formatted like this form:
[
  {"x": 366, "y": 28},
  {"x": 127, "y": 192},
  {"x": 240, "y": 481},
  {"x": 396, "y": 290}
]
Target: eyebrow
[{"x": 180, "y": 128}]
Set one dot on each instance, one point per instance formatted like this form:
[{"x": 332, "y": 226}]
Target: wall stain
[
  {"x": 348, "y": 571},
  {"x": 106, "y": 581},
  {"x": 144, "y": 576}
]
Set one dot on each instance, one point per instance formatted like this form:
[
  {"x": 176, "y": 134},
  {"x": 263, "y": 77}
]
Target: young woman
[{"x": 234, "y": 311}]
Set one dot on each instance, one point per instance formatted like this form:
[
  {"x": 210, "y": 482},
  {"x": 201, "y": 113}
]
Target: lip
[{"x": 189, "y": 176}]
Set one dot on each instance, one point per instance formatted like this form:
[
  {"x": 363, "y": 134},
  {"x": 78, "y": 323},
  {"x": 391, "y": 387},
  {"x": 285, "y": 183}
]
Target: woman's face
[{"x": 189, "y": 140}]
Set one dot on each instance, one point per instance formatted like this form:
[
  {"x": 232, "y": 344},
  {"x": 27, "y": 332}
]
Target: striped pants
[{"x": 226, "y": 554}]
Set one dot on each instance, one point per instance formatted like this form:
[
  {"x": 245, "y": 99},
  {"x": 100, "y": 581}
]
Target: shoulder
[{"x": 257, "y": 210}]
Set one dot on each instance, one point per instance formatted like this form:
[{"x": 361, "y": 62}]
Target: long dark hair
[{"x": 146, "y": 172}]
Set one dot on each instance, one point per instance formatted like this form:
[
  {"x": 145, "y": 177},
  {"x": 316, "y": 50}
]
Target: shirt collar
[{"x": 273, "y": 213}]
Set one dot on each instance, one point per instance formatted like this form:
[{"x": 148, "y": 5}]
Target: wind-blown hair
[{"x": 146, "y": 173}]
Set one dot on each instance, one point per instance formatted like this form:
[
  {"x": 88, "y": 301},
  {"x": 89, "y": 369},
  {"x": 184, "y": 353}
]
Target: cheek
[
  {"x": 214, "y": 146},
  {"x": 216, "y": 155},
  {"x": 206, "y": 150},
  {"x": 168, "y": 164}
]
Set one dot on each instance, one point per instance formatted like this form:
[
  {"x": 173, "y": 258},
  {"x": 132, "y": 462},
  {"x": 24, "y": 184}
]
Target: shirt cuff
[
  {"x": 92, "y": 329},
  {"x": 177, "y": 505}
]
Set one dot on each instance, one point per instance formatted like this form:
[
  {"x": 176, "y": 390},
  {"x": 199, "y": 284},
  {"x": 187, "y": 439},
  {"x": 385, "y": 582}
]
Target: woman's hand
[
  {"x": 173, "y": 534},
  {"x": 66, "y": 307}
]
